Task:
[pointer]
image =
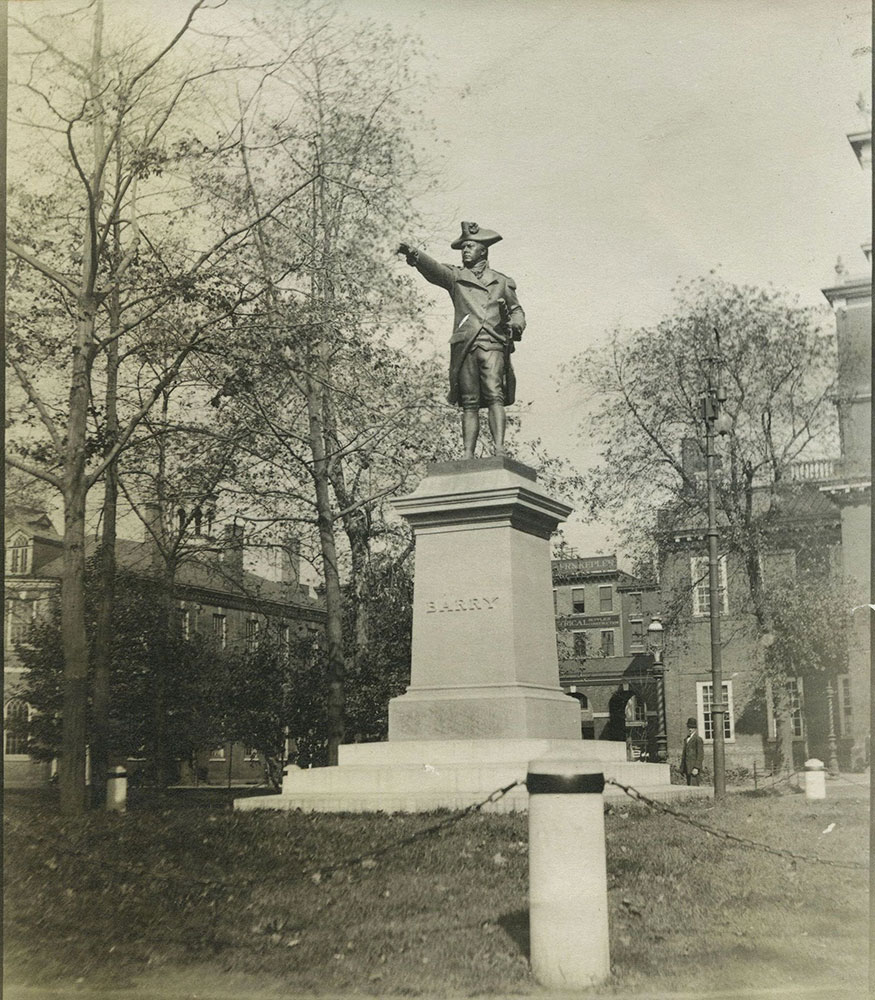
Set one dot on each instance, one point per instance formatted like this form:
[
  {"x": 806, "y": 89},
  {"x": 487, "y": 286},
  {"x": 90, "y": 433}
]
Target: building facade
[
  {"x": 602, "y": 617},
  {"x": 850, "y": 488},
  {"x": 215, "y": 597},
  {"x": 802, "y": 541}
]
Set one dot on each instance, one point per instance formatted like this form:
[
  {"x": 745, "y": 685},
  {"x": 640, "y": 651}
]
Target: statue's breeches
[{"x": 481, "y": 378}]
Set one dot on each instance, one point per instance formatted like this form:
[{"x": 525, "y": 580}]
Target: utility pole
[{"x": 712, "y": 400}]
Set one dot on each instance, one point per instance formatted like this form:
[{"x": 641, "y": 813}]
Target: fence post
[
  {"x": 116, "y": 789},
  {"x": 815, "y": 780},
  {"x": 568, "y": 882}
]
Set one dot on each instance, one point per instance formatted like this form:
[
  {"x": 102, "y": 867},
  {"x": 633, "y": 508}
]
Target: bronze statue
[{"x": 488, "y": 320}]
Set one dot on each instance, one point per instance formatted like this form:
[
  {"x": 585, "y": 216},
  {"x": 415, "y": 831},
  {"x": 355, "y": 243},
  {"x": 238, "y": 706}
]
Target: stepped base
[
  {"x": 499, "y": 711},
  {"x": 424, "y": 775}
]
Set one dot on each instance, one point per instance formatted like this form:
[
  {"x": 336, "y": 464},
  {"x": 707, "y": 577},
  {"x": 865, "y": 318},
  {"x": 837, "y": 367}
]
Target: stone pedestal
[
  {"x": 484, "y": 659},
  {"x": 484, "y": 696}
]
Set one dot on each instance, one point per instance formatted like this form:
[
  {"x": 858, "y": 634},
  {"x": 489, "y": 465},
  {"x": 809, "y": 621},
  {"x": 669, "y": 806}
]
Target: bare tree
[{"x": 100, "y": 128}]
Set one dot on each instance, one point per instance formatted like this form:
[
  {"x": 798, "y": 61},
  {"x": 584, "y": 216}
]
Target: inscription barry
[{"x": 461, "y": 604}]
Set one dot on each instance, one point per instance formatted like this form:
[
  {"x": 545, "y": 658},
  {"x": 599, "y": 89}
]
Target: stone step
[{"x": 426, "y": 800}]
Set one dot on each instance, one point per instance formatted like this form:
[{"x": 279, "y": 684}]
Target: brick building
[
  {"x": 602, "y": 615},
  {"x": 217, "y": 596},
  {"x": 804, "y": 538}
]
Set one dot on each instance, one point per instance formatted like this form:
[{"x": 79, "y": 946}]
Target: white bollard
[
  {"x": 116, "y": 789},
  {"x": 815, "y": 779},
  {"x": 568, "y": 881}
]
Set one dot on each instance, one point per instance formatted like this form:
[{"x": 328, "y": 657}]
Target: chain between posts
[
  {"x": 442, "y": 824},
  {"x": 633, "y": 793},
  {"x": 175, "y": 877}
]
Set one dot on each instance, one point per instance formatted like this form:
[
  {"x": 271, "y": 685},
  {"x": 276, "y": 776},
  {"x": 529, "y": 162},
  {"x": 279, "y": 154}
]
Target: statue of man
[{"x": 488, "y": 320}]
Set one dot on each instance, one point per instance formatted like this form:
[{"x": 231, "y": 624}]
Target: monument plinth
[
  {"x": 483, "y": 662},
  {"x": 484, "y": 696}
]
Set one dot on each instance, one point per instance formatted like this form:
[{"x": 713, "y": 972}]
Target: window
[
  {"x": 845, "y": 710},
  {"x": 635, "y": 711},
  {"x": 606, "y": 598},
  {"x": 218, "y": 753},
  {"x": 608, "y": 642},
  {"x": 21, "y": 614},
  {"x": 635, "y": 605},
  {"x": 18, "y": 554},
  {"x": 578, "y": 605},
  {"x": 795, "y": 700},
  {"x": 252, "y": 627},
  {"x": 250, "y": 753},
  {"x": 16, "y": 716},
  {"x": 794, "y": 687},
  {"x": 220, "y": 629},
  {"x": 706, "y": 722},
  {"x": 580, "y": 645},
  {"x": 701, "y": 589},
  {"x": 184, "y": 623},
  {"x": 638, "y": 634}
]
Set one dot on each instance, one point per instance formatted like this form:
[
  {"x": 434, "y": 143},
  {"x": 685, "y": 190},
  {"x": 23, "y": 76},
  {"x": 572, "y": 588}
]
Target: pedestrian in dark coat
[{"x": 693, "y": 753}]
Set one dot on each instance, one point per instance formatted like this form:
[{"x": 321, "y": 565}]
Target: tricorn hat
[
  {"x": 471, "y": 231},
  {"x": 692, "y": 723}
]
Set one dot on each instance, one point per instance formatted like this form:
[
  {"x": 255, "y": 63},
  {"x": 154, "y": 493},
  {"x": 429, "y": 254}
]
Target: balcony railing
[{"x": 813, "y": 470}]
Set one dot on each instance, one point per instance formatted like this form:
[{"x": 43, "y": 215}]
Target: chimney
[
  {"x": 232, "y": 553},
  {"x": 291, "y": 561},
  {"x": 153, "y": 534}
]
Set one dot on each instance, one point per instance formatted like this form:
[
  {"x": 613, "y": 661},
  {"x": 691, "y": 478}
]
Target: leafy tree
[
  {"x": 327, "y": 380},
  {"x": 108, "y": 162},
  {"x": 777, "y": 362},
  {"x": 194, "y": 690},
  {"x": 275, "y": 699},
  {"x": 381, "y": 671}
]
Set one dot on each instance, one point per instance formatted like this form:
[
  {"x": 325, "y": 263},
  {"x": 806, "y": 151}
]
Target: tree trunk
[
  {"x": 106, "y": 608},
  {"x": 783, "y": 727},
  {"x": 357, "y": 528},
  {"x": 327, "y": 542},
  {"x": 160, "y": 752},
  {"x": 71, "y": 770}
]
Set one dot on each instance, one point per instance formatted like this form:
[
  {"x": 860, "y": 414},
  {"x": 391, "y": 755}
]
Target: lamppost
[
  {"x": 832, "y": 745},
  {"x": 716, "y": 422},
  {"x": 655, "y": 643}
]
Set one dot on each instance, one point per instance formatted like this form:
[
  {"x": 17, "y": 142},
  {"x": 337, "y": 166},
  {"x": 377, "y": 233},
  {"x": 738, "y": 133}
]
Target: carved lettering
[{"x": 461, "y": 604}]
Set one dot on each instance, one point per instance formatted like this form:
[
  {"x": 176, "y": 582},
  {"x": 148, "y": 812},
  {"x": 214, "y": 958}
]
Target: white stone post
[
  {"x": 568, "y": 882},
  {"x": 815, "y": 779},
  {"x": 116, "y": 789}
]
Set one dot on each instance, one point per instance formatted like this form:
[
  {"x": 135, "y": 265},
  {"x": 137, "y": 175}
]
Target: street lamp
[
  {"x": 832, "y": 743},
  {"x": 716, "y": 422},
  {"x": 655, "y": 644}
]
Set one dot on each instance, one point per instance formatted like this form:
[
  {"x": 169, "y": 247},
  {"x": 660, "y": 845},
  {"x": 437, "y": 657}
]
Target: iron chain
[{"x": 725, "y": 835}]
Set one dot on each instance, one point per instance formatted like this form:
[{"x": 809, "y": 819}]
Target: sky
[{"x": 621, "y": 145}]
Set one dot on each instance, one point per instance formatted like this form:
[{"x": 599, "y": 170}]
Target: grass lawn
[{"x": 328, "y": 903}]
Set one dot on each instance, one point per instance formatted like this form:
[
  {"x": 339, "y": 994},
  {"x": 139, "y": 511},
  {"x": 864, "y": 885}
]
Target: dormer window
[{"x": 18, "y": 554}]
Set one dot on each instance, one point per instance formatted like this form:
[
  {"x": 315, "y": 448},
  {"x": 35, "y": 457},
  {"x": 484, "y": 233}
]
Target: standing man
[
  {"x": 693, "y": 753},
  {"x": 488, "y": 320}
]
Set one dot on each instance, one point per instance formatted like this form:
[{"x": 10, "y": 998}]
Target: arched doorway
[
  {"x": 587, "y": 720},
  {"x": 628, "y": 722}
]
